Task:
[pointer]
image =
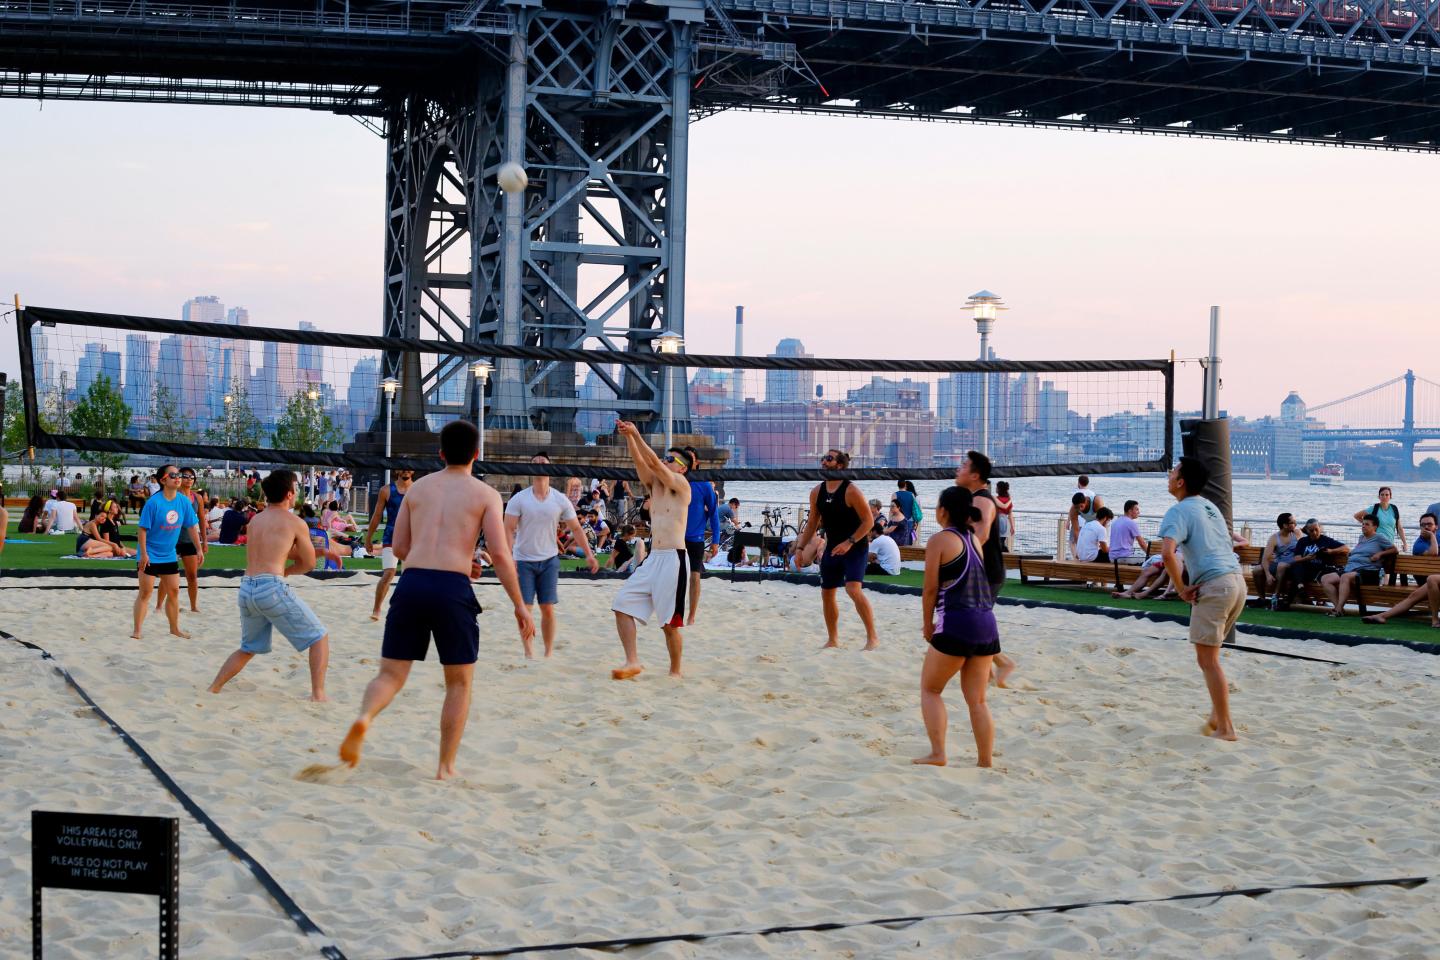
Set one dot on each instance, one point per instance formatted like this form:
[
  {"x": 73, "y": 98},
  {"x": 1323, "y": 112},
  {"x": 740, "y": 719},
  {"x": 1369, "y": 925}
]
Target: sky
[{"x": 861, "y": 237}]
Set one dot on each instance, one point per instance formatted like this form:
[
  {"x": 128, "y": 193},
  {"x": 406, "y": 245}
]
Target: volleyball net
[{"x": 177, "y": 389}]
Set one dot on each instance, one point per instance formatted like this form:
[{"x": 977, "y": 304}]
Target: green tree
[
  {"x": 166, "y": 422},
  {"x": 101, "y": 412},
  {"x": 239, "y": 427},
  {"x": 14, "y": 431},
  {"x": 1429, "y": 469},
  {"x": 304, "y": 426}
]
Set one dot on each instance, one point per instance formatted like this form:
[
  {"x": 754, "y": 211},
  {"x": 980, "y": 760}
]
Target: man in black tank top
[
  {"x": 974, "y": 475},
  {"x": 840, "y": 509}
]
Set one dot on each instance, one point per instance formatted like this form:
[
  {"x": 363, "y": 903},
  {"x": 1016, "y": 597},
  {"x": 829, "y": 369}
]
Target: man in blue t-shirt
[
  {"x": 165, "y": 516},
  {"x": 1216, "y": 591},
  {"x": 704, "y": 513}
]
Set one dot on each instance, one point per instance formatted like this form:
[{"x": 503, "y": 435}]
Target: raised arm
[{"x": 646, "y": 463}]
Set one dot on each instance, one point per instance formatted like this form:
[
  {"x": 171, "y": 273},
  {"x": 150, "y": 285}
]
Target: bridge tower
[
  {"x": 594, "y": 102},
  {"x": 1408, "y": 439}
]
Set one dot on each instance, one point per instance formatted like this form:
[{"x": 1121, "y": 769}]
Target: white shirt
[
  {"x": 539, "y": 521},
  {"x": 887, "y": 554},
  {"x": 216, "y": 514},
  {"x": 64, "y": 513},
  {"x": 1087, "y": 545}
]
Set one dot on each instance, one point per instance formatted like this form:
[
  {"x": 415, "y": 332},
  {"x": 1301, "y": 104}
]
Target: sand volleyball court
[{"x": 771, "y": 787}]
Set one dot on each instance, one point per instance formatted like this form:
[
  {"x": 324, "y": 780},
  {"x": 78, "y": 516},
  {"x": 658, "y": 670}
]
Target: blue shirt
[
  {"x": 703, "y": 509},
  {"x": 163, "y": 520},
  {"x": 1421, "y": 547},
  {"x": 1200, "y": 531}
]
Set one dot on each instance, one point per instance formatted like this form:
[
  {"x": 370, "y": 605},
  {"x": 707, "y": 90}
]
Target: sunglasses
[
  {"x": 171, "y": 476},
  {"x": 674, "y": 459},
  {"x": 187, "y": 476},
  {"x": 829, "y": 457}
]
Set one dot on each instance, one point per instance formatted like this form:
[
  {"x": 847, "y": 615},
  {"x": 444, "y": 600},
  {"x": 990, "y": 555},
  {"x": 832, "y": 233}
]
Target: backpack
[{"x": 917, "y": 512}]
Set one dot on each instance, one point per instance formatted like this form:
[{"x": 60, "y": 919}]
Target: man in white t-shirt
[
  {"x": 62, "y": 514},
  {"x": 884, "y": 554},
  {"x": 1093, "y": 543},
  {"x": 532, "y": 518}
]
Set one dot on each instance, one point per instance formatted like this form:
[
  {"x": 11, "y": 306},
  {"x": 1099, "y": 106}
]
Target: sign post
[{"x": 89, "y": 851}]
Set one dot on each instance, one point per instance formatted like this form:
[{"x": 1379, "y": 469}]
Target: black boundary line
[
  {"x": 308, "y": 927},
  {"x": 1406, "y": 882}
]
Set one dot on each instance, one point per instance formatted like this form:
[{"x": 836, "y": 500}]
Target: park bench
[{"x": 1384, "y": 596}]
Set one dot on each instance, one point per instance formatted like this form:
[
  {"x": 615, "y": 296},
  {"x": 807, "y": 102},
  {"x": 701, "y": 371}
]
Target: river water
[{"x": 1041, "y": 501}]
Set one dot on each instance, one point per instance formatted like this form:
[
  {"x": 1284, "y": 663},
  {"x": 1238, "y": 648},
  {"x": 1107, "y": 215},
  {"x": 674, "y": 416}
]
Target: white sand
[{"x": 772, "y": 786}]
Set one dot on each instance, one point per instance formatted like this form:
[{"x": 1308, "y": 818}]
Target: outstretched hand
[{"x": 625, "y": 428}]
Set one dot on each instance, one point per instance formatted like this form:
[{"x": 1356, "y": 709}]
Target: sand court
[{"x": 772, "y": 786}]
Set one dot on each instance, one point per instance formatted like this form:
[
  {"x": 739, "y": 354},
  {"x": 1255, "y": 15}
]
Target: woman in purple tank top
[{"x": 959, "y": 624}]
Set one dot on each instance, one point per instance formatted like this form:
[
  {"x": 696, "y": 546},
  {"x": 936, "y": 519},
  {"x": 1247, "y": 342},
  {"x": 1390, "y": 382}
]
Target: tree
[
  {"x": 1430, "y": 469},
  {"x": 304, "y": 426},
  {"x": 239, "y": 427},
  {"x": 102, "y": 413},
  {"x": 166, "y": 423},
  {"x": 14, "y": 430}
]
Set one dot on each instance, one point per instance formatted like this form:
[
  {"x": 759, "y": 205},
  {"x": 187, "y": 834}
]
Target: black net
[{"x": 214, "y": 391}]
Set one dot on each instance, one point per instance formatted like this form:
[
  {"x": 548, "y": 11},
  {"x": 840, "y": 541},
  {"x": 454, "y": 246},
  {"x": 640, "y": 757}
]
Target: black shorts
[
  {"x": 964, "y": 646},
  {"x": 1368, "y": 578},
  {"x": 695, "y": 550},
  {"x": 849, "y": 567},
  {"x": 432, "y": 602},
  {"x": 185, "y": 548},
  {"x": 1309, "y": 571},
  {"x": 162, "y": 569}
]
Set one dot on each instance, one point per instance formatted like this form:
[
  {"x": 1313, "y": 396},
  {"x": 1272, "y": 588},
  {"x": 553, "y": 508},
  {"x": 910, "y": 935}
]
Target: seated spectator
[
  {"x": 1429, "y": 591},
  {"x": 1275, "y": 559},
  {"x": 63, "y": 517},
  {"x": 327, "y": 552},
  {"x": 629, "y": 550},
  {"x": 729, "y": 514},
  {"x": 233, "y": 522},
  {"x": 1125, "y": 536},
  {"x": 807, "y": 560},
  {"x": 99, "y": 537},
  {"x": 1153, "y": 576},
  {"x": 1427, "y": 543},
  {"x": 1093, "y": 543},
  {"x": 33, "y": 519},
  {"x": 1364, "y": 565},
  {"x": 135, "y": 493},
  {"x": 214, "y": 514},
  {"x": 1082, "y": 511},
  {"x": 898, "y": 526},
  {"x": 884, "y": 554},
  {"x": 876, "y": 510},
  {"x": 598, "y": 530},
  {"x": 1315, "y": 556}
]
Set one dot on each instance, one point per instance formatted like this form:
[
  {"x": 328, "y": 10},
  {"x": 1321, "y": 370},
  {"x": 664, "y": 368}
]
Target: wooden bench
[{"x": 1385, "y": 596}]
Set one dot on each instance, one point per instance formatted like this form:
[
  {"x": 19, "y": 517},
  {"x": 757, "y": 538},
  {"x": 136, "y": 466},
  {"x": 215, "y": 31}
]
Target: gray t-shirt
[
  {"x": 1362, "y": 555},
  {"x": 539, "y": 521},
  {"x": 1199, "y": 529}
]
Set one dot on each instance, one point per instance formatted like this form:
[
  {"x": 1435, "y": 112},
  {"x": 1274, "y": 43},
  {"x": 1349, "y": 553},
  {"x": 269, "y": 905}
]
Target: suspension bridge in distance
[{"x": 1403, "y": 410}]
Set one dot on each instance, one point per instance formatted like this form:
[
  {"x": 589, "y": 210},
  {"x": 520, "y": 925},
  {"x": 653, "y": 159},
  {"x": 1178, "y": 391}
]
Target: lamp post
[
  {"x": 984, "y": 306},
  {"x": 481, "y": 370},
  {"x": 669, "y": 342},
  {"x": 389, "y": 385},
  {"x": 229, "y": 430}
]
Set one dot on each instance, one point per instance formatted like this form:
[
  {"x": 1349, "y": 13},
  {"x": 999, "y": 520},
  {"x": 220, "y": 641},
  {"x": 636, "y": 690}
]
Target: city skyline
[{"x": 1100, "y": 273}]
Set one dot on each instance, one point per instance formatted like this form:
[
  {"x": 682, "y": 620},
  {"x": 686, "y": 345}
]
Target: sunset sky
[{"x": 860, "y": 237}]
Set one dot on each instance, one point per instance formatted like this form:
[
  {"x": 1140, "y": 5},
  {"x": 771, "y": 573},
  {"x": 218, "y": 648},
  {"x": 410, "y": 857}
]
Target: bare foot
[
  {"x": 1223, "y": 735},
  {"x": 831, "y": 645},
  {"x": 626, "y": 672},
  {"x": 981, "y": 763},
  {"x": 529, "y": 654},
  {"x": 446, "y": 772},
  {"x": 317, "y": 696},
  {"x": 374, "y": 617},
  {"x": 180, "y": 633},
  {"x": 690, "y": 622},
  {"x": 1377, "y": 618},
  {"x": 931, "y": 760},
  {"x": 350, "y": 746},
  {"x": 549, "y": 654},
  {"x": 872, "y": 644},
  {"x": 1003, "y": 673},
  {"x": 1122, "y": 594},
  {"x": 675, "y": 674},
  {"x": 213, "y": 688},
  {"x": 135, "y": 635}
]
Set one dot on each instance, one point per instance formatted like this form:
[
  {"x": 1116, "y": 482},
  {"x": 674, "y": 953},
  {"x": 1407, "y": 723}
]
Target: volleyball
[{"x": 512, "y": 177}]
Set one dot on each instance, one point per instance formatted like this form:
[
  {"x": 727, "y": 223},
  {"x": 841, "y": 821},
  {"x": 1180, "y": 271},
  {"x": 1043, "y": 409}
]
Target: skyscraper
[
  {"x": 276, "y": 382},
  {"x": 94, "y": 363},
  {"x": 310, "y": 358},
  {"x": 141, "y": 357},
  {"x": 40, "y": 354},
  {"x": 180, "y": 369},
  {"x": 789, "y": 386}
]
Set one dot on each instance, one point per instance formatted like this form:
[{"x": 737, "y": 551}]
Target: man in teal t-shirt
[
  {"x": 1216, "y": 590},
  {"x": 165, "y": 516}
]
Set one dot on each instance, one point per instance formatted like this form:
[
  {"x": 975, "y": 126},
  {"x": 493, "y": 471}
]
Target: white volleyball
[{"x": 512, "y": 177}]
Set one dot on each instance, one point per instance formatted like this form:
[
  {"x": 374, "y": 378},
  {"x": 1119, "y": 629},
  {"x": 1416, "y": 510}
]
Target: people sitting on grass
[
  {"x": 1363, "y": 566},
  {"x": 1275, "y": 559},
  {"x": 807, "y": 558},
  {"x": 1092, "y": 545},
  {"x": 597, "y": 530},
  {"x": 61, "y": 515},
  {"x": 1126, "y": 544},
  {"x": 884, "y": 557},
  {"x": 33, "y": 518},
  {"x": 327, "y": 548},
  {"x": 629, "y": 550},
  {"x": 99, "y": 537},
  {"x": 1315, "y": 556}
]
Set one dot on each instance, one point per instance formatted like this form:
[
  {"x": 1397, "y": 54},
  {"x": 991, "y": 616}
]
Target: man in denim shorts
[{"x": 278, "y": 543}]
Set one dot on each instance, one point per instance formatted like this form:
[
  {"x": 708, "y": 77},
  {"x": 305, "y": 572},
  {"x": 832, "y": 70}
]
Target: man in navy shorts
[
  {"x": 839, "y": 508},
  {"x": 435, "y": 535}
]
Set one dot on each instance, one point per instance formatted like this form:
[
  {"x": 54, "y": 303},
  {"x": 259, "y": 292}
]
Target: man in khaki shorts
[{"x": 1216, "y": 590}]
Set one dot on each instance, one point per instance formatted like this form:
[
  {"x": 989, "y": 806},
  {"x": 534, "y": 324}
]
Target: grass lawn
[{"x": 46, "y": 554}]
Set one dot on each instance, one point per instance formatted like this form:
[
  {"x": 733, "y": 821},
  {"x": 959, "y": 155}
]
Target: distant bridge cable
[{"x": 1356, "y": 396}]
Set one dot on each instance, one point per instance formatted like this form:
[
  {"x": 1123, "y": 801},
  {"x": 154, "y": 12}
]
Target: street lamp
[
  {"x": 984, "y": 306},
  {"x": 669, "y": 342},
  {"x": 389, "y": 385},
  {"x": 229, "y": 430},
  {"x": 481, "y": 370}
]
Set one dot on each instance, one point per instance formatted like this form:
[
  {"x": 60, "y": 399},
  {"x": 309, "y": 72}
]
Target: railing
[{"x": 205, "y": 15}]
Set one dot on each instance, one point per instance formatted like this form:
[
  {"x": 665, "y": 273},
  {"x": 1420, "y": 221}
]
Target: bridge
[
  {"x": 595, "y": 99},
  {"x": 1404, "y": 410}
]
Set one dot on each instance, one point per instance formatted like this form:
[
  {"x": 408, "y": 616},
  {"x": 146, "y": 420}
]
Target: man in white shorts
[
  {"x": 277, "y": 544},
  {"x": 657, "y": 587},
  {"x": 388, "y": 506}
]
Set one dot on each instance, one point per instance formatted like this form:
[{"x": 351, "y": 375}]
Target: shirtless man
[
  {"x": 387, "y": 505},
  {"x": 435, "y": 534},
  {"x": 278, "y": 544},
  {"x": 657, "y": 587}
]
